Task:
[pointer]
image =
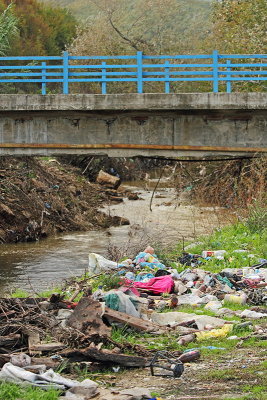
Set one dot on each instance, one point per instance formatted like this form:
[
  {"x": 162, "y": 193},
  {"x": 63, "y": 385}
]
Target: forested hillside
[
  {"x": 192, "y": 16},
  {"x": 37, "y": 29}
]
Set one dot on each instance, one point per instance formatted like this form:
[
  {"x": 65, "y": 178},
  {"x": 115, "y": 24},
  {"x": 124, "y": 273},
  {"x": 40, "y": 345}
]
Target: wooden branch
[
  {"x": 136, "y": 323},
  {"x": 105, "y": 356}
]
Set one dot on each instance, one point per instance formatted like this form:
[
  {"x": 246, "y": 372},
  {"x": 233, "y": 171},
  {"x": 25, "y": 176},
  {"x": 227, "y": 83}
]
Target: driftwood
[
  {"x": 106, "y": 356},
  {"x": 48, "y": 347},
  {"x": 134, "y": 322}
]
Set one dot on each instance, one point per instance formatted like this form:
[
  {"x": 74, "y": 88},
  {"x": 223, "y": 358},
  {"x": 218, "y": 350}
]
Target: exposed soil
[
  {"x": 39, "y": 197},
  {"x": 216, "y": 377}
]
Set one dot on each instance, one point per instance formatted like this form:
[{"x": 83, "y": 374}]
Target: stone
[{"x": 137, "y": 393}]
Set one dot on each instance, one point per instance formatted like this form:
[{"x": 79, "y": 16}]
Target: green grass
[
  {"x": 48, "y": 293},
  {"x": 10, "y": 391},
  {"x": 18, "y": 293},
  {"x": 230, "y": 238}
]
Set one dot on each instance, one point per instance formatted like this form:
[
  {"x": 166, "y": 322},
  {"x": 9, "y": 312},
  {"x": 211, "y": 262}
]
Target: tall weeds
[{"x": 234, "y": 183}]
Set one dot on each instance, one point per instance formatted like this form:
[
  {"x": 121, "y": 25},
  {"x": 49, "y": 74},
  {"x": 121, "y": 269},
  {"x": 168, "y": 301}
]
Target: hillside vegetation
[
  {"x": 38, "y": 29},
  {"x": 192, "y": 16}
]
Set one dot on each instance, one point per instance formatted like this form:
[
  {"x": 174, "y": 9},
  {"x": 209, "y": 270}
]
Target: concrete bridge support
[{"x": 168, "y": 125}]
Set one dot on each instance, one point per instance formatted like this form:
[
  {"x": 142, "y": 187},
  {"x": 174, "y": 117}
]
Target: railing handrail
[{"x": 140, "y": 69}]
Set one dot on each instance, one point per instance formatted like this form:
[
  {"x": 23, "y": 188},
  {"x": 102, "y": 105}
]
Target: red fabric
[{"x": 158, "y": 285}]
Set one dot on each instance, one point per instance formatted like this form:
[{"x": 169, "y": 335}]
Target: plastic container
[{"x": 213, "y": 253}]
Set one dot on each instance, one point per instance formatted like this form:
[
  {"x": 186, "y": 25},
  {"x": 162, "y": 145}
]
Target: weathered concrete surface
[{"x": 132, "y": 124}]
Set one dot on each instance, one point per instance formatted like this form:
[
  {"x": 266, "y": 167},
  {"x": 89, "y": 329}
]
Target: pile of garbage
[{"x": 37, "y": 335}]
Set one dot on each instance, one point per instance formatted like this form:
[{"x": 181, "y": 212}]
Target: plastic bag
[
  {"x": 119, "y": 301},
  {"x": 98, "y": 264},
  {"x": 215, "y": 333}
]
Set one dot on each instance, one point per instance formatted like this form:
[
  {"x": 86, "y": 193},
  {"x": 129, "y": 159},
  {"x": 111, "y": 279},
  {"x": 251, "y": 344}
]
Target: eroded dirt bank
[{"x": 39, "y": 197}]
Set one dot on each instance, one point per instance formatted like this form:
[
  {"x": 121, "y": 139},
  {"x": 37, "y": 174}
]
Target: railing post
[
  {"x": 215, "y": 58},
  {"x": 65, "y": 72},
  {"x": 43, "y": 78},
  {"x": 139, "y": 58},
  {"x": 228, "y": 75},
  {"x": 104, "y": 76},
  {"x": 167, "y": 77}
]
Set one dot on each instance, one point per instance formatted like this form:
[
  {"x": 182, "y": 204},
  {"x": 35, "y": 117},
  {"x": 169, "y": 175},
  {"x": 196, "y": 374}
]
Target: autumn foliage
[{"x": 43, "y": 30}]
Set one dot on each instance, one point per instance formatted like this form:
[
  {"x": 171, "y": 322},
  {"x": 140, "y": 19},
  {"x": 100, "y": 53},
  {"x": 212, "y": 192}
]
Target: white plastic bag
[{"x": 98, "y": 264}]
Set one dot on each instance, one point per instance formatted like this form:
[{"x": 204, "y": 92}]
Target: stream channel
[{"x": 42, "y": 265}]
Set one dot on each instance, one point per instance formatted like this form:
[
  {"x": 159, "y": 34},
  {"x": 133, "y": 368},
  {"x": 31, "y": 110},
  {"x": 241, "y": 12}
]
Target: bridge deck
[{"x": 169, "y": 125}]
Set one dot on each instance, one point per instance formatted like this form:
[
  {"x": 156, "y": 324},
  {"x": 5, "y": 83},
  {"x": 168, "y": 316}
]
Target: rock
[
  {"x": 127, "y": 394},
  {"x": 86, "y": 390},
  {"x": 136, "y": 393},
  {"x": 108, "y": 180}
]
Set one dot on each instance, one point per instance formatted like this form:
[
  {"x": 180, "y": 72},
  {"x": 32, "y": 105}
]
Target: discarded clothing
[
  {"x": 119, "y": 301},
  {"x": 49, "y": 379},
  {"x": 148, "y": 260},
  {"x": 159, "y": 285}
]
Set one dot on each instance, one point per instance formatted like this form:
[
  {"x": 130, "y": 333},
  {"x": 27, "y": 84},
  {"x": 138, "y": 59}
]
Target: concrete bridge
[{"x": 168, "y": 125}]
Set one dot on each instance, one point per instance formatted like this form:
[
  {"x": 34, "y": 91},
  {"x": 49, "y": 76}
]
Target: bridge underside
[{"x": 131, "y": 125}]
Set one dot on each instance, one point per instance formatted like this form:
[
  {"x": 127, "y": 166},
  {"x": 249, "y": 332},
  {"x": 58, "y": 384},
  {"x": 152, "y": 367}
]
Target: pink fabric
[{"x": 158, "y": 285}]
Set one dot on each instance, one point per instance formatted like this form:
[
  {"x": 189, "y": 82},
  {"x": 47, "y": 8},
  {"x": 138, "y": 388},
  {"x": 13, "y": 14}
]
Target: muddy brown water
[{"x": 46, "y": 263}]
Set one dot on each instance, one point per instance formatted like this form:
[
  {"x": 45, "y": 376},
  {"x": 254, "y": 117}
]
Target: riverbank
[
  {"x": 158, "y": 217},
  {"x": 230, "y": 369},
  {"x": 40, "y": 197}
]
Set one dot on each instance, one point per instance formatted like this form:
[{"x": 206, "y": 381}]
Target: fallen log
[
  {"x": 134, "y": 322},
  {"x": 105, "y": 356}
]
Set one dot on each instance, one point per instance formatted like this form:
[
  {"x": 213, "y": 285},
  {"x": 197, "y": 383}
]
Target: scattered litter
[
  {"x": 81, "y": 331},
  {"x": 215, "y": 333},
  {"x": 163, "y": 360}
]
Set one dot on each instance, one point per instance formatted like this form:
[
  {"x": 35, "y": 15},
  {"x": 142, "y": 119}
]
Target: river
[{"x": 44, "y": 264}]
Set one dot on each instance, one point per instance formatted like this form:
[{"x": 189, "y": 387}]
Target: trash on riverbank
[{"x": 59, "y": 331}]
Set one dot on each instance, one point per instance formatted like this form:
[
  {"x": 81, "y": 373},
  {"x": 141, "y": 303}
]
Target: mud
[{"x": 40, "y": 197}]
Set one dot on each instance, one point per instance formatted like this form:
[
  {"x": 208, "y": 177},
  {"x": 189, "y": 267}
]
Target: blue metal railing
[{"x": 139, "y": 69}]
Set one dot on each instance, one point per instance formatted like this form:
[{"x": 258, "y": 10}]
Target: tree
[
  {"x": 239, "y": 26},
  {"x": 43, "y": 29},
  {"x": 153, "y": 26},
  {"x": 8, "y": 29}
]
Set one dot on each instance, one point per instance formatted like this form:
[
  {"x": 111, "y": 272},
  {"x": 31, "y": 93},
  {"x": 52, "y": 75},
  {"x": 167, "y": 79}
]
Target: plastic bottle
[{"x": 213, "y": 253}]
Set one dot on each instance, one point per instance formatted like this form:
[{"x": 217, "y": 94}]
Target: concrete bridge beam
[{"x": 169, "y": 125}]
